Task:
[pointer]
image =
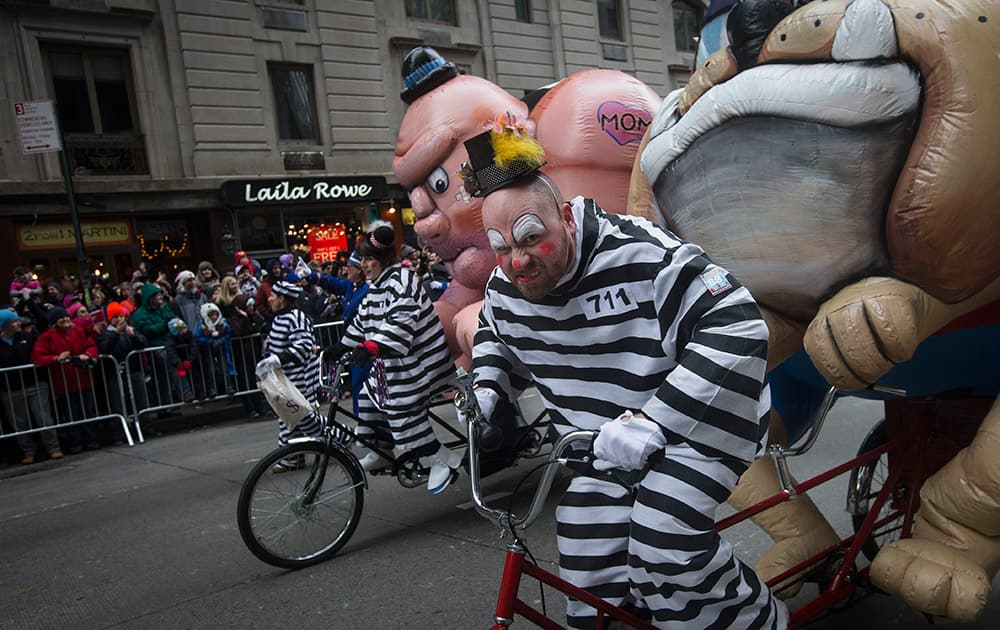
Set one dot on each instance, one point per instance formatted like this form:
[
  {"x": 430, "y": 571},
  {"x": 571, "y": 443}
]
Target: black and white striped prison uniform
[
  {"x": 398, "y": 315},
  {"x": 291, "y": 339},
  {"x": 635, "y": 325}
]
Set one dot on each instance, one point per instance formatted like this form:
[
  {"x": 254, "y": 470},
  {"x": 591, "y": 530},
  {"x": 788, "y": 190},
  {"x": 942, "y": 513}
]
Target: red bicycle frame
[{"x": 921, "y": 438}]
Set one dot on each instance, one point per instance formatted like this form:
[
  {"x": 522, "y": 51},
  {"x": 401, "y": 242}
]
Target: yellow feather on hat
[{"x": 509, "y": 146}]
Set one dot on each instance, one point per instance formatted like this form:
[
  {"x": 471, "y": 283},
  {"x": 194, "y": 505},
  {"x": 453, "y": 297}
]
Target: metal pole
[{"x": 81, "y": 257}]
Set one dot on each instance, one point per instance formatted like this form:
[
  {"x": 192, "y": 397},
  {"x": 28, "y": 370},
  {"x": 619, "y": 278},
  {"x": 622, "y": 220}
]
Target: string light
[{"x": 164, "y": 247}]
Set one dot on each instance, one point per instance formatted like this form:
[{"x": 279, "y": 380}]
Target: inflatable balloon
[
  {"x": 589, "y": 123},
  {"x": 839, "y": 159}
]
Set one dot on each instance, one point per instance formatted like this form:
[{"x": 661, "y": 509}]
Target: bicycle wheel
[
  {"x": 865, "y": 483},
  {"x": 302, "y": 516}
]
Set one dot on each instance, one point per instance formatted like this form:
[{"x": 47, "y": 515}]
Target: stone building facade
[{"x": 189, "y": 125}]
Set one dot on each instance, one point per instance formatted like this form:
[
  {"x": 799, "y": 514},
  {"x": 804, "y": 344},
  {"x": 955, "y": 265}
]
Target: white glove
[
  {"x": 302, "y": 270},
  {"x": 267, "y": 365},
  {"x": 487, "y": 399},
  {"x": 627, "y": 442}
]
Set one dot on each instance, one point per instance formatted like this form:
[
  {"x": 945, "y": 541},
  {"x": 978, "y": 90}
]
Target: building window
[
  {"x": 609, "y": 19},
  {"x": 687, "y": 23},
  {"x": 293, "y": 102},
  {"x": 438, "y": 11},
  {"x": 95, "y": 101},
  {"x": 522, "y": 10}
]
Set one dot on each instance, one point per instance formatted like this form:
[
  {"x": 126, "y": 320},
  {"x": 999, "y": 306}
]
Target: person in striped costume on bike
[
  {"x": 290, "y": 345},
  {"x": 626, "y": 329},
  {"x": 397, "y": 328}
]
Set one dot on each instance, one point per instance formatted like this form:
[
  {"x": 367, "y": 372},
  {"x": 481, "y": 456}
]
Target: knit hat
[
  {"x": 114, "y": 309},
  {"x": 184, "y": 276},
  {"x": 354, "y": 260},
  {"x": 55, "y": 314},
  {"x": 73, "y": 308},
  {"x": 6, "y": 317},
  {"x": 288, "y": 289}
]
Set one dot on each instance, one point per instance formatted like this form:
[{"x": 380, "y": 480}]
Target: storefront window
[
  {"x": 261, "y": 230},
  {"x": 164, "y": 243}
]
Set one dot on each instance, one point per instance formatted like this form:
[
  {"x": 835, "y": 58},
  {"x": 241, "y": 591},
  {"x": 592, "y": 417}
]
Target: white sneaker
[
  {"x": 442, "y": 465},
  {"x": 374, "y": 461}
]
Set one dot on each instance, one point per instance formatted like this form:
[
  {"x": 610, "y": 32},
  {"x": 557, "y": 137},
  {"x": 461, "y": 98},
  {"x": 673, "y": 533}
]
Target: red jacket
[{"x": 64, "y": 376}]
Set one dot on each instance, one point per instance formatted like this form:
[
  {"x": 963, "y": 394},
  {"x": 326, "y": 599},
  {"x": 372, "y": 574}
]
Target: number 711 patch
[
  {"x": 608, "y": 302},
  {"x": 716, "y": 281}
]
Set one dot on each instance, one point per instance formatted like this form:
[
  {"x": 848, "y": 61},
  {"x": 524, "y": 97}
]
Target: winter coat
[
  {"x": 15, "y": 354},
  {"x": 65, "y": 377},
  {"x": 351, "y": 294},
  {"x": 188, "y": 307},
  {"x": 242, "y": 325},
  {"x": 152, "y": 323},
  {"x": 118, "y": 344}
]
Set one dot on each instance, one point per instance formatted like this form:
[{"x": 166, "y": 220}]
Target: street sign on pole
[
  {"x": 39, "y": 132},
  {"x": 37, "y": 127}
]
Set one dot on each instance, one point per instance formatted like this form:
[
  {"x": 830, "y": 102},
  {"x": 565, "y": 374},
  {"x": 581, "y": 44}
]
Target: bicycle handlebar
[{"x": 466, "y": 403}]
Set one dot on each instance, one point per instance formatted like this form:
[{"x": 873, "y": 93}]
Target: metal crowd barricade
[
  {"x": 153, "y": 379},
  {"x": 30, "y": 404},
  {"x": 160, "y": 378},
  {"x": 328, "y": 333}
]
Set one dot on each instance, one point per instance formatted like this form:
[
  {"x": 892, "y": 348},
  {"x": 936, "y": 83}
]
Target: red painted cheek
[
  {"x": 546, "y": 248},
  {"x": 499, "y": 260}
]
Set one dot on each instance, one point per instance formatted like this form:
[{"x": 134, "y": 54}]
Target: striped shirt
[
  {"x": 642, "y": 321},
  {"x": 290, "y": 337},
  {"x": 397, "y": 315}
]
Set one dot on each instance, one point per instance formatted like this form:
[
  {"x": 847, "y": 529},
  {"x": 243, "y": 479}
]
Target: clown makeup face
[
  {"x": 532, "y": 236},
  {"x": 372, "y": 267}
]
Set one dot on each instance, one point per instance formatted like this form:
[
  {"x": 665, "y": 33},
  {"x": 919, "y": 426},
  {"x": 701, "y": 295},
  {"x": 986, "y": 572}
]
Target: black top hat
[
  {"x": 500, "y": 157},
  {"x": 423, "y": 70}
]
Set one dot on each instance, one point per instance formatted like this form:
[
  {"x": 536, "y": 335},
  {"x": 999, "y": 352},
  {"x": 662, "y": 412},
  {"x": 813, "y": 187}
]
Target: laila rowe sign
[{"x": 284, "y": 192}]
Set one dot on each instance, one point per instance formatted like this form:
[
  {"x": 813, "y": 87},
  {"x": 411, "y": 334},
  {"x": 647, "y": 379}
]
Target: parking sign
[{"x": 37, "y": 127}]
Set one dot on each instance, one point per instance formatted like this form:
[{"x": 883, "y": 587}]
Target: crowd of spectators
[{"x": 208, "y": 325}]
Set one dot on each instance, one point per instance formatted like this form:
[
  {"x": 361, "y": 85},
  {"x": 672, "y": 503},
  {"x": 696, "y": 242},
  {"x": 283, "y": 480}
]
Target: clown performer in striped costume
[
  {"x": 398, "y": 330},
  {"x": 626, "y": 329},
  {"x": 290, "y": 345}
]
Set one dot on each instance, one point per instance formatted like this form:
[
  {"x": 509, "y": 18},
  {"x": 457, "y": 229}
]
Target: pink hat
[{"x": 72, "y": 309}]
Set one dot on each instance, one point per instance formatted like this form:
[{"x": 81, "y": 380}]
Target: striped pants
[
  {"x": 407, "y": 428},
  {"x": 656, "y": 548}
]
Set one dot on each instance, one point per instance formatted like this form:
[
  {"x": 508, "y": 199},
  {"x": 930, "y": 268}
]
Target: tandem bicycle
[
  {"x": 305, "y": 515},
  {"x": 894, "y": 459}
]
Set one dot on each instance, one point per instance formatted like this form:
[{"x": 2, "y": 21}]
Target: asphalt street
[{"x": 146, "y": 537}]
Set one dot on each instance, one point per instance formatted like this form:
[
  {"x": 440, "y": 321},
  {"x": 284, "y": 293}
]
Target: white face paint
[
  {"x": 497, "y": 241},
  {"x": 526, "y": 227}
]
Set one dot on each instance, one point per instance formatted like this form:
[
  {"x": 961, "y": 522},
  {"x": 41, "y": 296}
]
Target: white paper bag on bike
[{"x": 286, "y": 400}]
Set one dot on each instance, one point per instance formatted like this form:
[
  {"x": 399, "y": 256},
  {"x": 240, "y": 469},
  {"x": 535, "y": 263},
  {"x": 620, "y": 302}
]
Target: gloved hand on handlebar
[
  {"x": 487, "y": 399},
  {"x": 267, "y": 365},
  {"x": 627, "y": 442},
  {"x": 365, "y": 352}
]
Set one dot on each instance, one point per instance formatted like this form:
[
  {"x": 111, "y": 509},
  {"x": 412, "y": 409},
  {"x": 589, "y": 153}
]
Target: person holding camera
[{"x": 70, "y": 355}]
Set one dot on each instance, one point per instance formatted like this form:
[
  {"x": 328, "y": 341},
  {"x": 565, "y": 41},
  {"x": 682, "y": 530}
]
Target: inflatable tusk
[{"x": 866, "y": 32}]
